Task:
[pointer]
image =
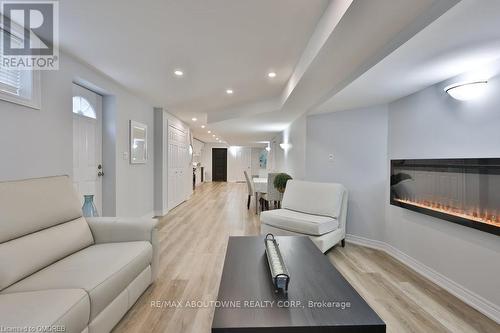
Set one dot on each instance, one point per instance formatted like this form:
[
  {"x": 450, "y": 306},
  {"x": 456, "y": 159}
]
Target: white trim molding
[
  {"x": 150, "y": 215},
  {"x": 472, "y": 299},
  {"x": 158, "y": 213}
]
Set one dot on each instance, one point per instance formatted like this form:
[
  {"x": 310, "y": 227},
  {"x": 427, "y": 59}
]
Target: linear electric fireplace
[{"x": 463, "y": 191}]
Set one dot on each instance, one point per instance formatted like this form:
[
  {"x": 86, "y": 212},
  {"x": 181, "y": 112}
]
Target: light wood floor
[{"x": 193, "y": 239}]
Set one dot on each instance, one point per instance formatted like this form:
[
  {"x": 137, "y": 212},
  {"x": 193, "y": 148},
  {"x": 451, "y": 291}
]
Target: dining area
[{"x": 263, "y": 189}]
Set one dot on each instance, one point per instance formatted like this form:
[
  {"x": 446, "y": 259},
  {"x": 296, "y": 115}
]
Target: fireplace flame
[{"x": 475, "y": 215}]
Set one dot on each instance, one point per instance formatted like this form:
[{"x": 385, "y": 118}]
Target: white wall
[
  {"x": 234, "y": 172},
  {"x": 430, "y": 124},
  {"x": 239, "y": 160},
  {"x": 255, "y": 169},
  {"x": 160, "y": 171},
  {"x": 206, "y": 158},
  {"x": 109, "y": 116},
  {"x": 198, "y": 147},
  {"x": 292, "y": 160},
  {"x": 276, "y": 157},
  {"x": 235, "y": 164},
  {"x": 357, "y": 139},
  {"x": 134, "y": 182},
  {"x": 197, "y": 150},
  {"x": 39, "y": 142}
]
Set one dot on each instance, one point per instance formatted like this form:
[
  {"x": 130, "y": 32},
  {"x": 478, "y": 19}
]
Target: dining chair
[
  {"x": 273, "y": 195},
  {"x": 250, "y": 188}
]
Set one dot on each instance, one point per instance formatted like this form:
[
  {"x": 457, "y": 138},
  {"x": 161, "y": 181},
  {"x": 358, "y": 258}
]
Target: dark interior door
[{"x": 219, "y": 164}]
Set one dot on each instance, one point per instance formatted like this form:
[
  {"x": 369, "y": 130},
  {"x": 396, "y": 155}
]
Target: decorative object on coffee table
[
  {"x": 280, "y": 181},
  {"x": 279, "y": 273}
]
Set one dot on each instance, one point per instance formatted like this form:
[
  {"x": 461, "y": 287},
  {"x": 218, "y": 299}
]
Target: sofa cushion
[
  {"x": 314, "y": 198},
  {"x": 23, "y": 256},
  {"x": 65, "y": 308},
  {"x": 103, "y": 270},
  {"x": 27, "y": 206},
  {"x": 308, "y": 224},
  {"x": 40, "y": 222}
]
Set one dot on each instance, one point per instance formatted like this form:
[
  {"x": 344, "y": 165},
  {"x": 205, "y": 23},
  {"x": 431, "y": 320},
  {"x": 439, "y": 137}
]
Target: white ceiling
[
  {"x": 317, "y": 48},
  {"x": 366, "y": 32},
  {"x": 219, "y": 44},
  {"x": 464, "y": 39}
]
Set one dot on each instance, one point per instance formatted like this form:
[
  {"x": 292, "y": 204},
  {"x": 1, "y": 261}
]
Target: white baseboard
[
  {"x": 474, "y": 300},
  {"x": 160, "y": 213},
  {"x": 149, "y": 215}
]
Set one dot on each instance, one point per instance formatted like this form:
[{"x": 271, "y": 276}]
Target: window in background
[
  {"x": 82, "y": 107},
  {"x": 19, "y": 86}
]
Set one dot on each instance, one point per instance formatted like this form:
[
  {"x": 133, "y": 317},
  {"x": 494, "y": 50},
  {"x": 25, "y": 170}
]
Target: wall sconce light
[
  {"x": 285, "y": 146},
  {"x": 234, "y": 150},
  {"x": 466, "y": 91}
]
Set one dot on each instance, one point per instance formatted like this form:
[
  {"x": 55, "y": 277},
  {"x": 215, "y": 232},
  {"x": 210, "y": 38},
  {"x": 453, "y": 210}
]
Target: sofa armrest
[{"x": 115, "y": 229}]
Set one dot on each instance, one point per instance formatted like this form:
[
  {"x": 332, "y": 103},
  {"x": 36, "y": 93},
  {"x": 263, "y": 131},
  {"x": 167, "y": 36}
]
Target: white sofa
[
  {"x": 318, "y": 210},
  {"x": 62, "y": 270}
]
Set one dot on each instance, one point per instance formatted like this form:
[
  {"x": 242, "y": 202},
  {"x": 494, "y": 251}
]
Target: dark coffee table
[{"x": 247, "y": 301}]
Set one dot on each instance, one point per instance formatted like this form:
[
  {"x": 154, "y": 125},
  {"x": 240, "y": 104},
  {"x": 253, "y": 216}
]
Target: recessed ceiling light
[
  {"x": 209, "y": 132},
  {"x": 213, "y": 135},
  {"x": 229, "y": 91},
  {"x": 194, "y": 119},
  {"x": 178, "y": 72},
  {"x": 202, "y": 126},
  {"x": 217, "y": 139},
  {"x": 271, "y": 74}
]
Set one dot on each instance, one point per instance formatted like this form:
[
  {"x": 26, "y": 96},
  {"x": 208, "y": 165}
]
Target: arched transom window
[{"x": 82, "y": 107}]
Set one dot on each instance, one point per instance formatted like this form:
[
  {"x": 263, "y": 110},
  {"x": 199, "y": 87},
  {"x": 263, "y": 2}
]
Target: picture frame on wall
[{"x": 138, "y": 142}]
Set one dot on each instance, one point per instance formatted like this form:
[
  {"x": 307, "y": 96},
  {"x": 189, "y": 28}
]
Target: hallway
[{"x": 193, "y": 239}]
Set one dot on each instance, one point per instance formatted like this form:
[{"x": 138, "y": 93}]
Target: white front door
[{"x": 87, "y": 144}]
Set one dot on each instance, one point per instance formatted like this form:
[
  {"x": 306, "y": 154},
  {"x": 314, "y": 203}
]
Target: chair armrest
[{"x": 115, "y": 229}]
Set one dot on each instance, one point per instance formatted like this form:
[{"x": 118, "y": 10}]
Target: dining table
[{"x": 260, "y": 187}]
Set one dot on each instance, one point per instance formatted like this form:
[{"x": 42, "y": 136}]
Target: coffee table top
[{"x": 318, "y": 295}]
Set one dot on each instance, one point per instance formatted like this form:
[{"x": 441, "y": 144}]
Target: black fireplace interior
[{"x": 464, "y": 191}]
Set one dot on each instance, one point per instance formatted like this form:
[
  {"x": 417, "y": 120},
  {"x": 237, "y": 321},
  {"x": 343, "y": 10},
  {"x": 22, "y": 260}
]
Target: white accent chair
[
  {"x": 318, "y": 210},
  {"x": 60, "y": 269}
]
